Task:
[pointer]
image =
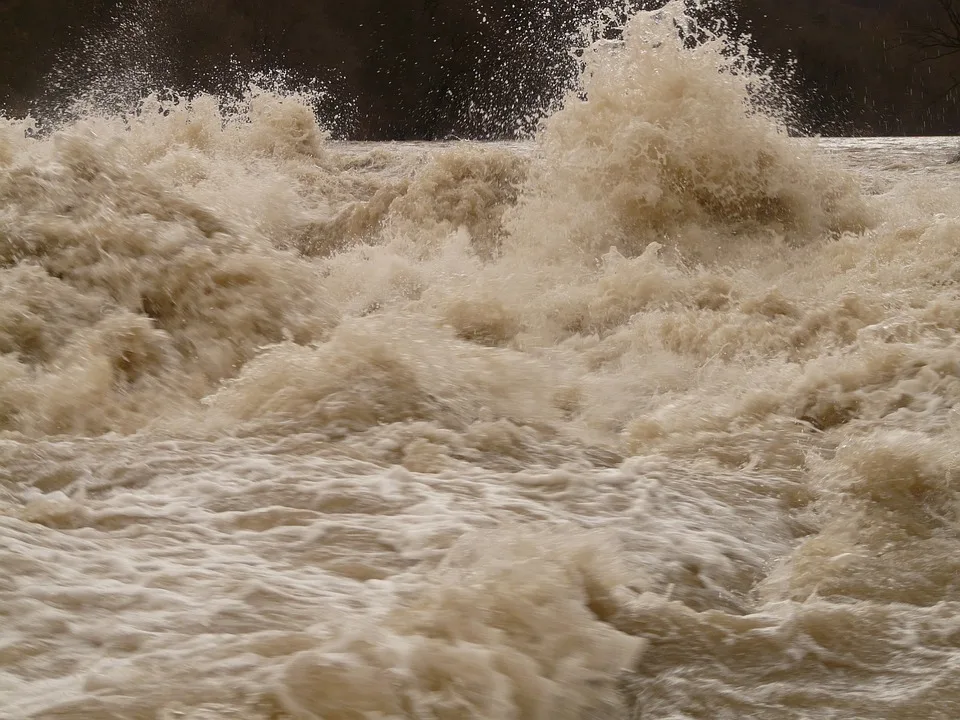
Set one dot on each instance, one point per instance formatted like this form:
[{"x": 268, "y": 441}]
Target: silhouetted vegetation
[{"x": 429, "y": 69}]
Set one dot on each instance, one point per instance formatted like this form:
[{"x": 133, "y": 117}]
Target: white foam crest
[{"x": 670, "y": 138}]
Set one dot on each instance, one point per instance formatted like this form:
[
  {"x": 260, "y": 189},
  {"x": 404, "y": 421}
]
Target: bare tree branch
[{"x": 937, "y": 39}]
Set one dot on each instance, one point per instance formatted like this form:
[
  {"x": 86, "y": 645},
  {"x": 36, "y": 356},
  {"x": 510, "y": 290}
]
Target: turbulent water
[{"x": 654, "y": 416}]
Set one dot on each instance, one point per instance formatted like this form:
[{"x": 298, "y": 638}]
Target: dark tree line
[
  {"x": 428, "y": 69},
  {"x": 863, "y": 67},
  {"x": 405, "y": 68}
]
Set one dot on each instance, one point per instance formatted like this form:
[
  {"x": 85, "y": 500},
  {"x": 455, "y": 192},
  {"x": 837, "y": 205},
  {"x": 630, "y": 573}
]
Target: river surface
[{"x": 652, "y": 416}]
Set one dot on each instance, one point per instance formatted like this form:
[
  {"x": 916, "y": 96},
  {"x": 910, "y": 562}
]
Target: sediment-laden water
[{"x": 653, "y": 416}]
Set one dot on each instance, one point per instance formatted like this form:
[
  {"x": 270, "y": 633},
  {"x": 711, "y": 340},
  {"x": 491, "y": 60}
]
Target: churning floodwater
[{"x": 652, "y": 416}]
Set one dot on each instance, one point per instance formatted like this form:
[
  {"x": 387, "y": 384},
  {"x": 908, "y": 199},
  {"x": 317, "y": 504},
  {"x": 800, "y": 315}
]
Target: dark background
[{"x": 424, "y": 69}]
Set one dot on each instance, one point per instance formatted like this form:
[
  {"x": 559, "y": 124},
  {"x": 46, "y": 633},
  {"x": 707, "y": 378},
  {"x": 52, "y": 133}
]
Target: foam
[{"x": 654, "y": 414}]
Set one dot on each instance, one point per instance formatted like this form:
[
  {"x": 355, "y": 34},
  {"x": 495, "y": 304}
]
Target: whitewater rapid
[{"x": 651, "y": 416}]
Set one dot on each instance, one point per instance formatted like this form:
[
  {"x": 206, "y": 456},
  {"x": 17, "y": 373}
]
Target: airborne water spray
[{"x": 672, "y": 127}]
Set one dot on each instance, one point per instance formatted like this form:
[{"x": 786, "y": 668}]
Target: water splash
[{"x": 652, "y": 415}]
